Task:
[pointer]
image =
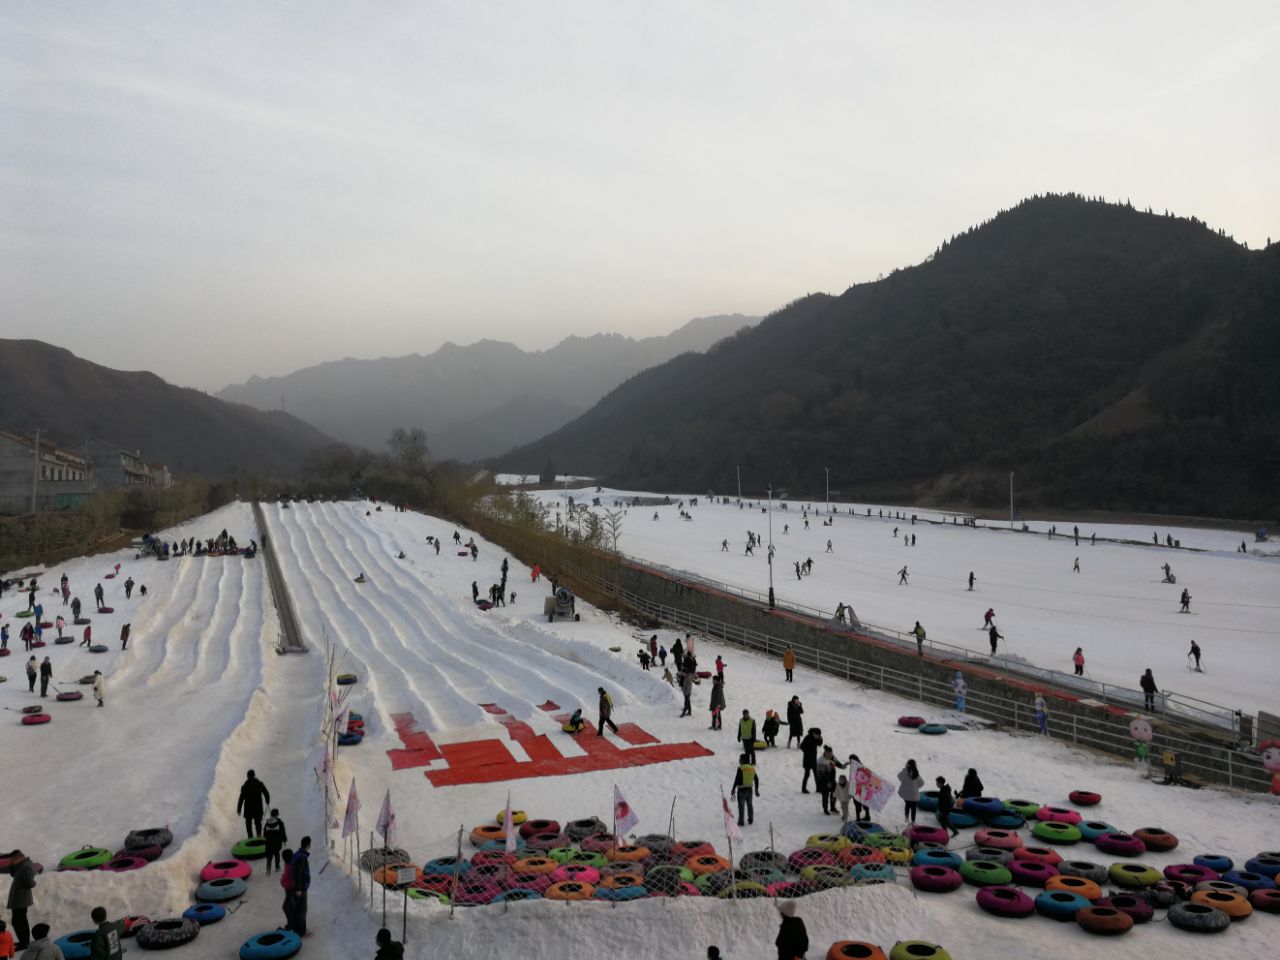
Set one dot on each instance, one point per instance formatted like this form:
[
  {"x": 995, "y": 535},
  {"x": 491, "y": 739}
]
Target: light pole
[
  {"x": 770, "y": 546},
  {"x": 1010, "y": 499},
  {"x": 827, "y": 471}
]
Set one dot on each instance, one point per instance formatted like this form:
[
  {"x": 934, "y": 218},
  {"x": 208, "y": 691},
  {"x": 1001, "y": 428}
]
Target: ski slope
[
  {"x": 200, "y": 696},
  {"x": 1116, "y": 607}
]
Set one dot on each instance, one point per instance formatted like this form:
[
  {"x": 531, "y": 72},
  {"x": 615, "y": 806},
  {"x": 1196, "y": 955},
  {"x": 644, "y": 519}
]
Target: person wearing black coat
[
  {"x": 809, "y": 755},
  {"x": 389, "y": 949},
  {"x": 254, "y": 796},
  {"x": 20, "y": 899},
  {"x": 972, "y": 785},
  {"x": 793, "y": 939},
  {"x": 795, "y": 721},
  {"x": 1149, "y": 690},
  {"x": 946, "y": 803}
]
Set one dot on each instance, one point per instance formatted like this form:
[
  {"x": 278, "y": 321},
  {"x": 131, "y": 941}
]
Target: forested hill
[{"x": 1115, "y": 359}]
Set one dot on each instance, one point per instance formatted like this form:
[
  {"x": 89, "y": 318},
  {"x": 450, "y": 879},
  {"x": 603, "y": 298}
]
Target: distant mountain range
[
  {"x": 1113, "y": 359},
  {"x": 474, "y": 401},
  {"x": 72, "y": 400}
]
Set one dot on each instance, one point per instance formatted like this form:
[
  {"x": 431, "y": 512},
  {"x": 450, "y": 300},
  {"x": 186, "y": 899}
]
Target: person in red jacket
[
  {"x": 88, "y": 637},
  {"x": 1078, "y": 659}
]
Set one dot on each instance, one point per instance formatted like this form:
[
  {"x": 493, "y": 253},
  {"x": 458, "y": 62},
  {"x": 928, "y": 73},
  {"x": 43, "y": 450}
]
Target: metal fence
[
  {"x": 1233, "y": 767},
  {"x": 1189, "y": 709}
]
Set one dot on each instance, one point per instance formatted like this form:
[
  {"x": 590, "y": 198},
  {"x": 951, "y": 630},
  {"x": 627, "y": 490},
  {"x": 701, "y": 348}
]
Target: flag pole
[
  {"x": 728, "y": 835},
  {"x": 457, "y": 868}
]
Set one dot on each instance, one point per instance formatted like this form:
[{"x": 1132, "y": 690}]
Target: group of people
[{"x": 293, "y": 866}]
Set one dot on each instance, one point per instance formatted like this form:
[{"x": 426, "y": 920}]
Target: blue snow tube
[
  {"x": 350, "y": 739},
  {"x": 268, "y": 946},
  {"x": 1216, "y": 862},
  {"x": 1092, "y": 829},
  {"x": 857, "y": 829},
  {"x": 961, "y": 820},
  {"x": 932, "y": 729},
  {"x": 355, "y": 716},
  {"x": 872, "y": 873},
  {"x": 621, "y": 893},
  {"x": 1060, "y": 904},
  {"x": 495, "y": 845},
  {"x": 1266, "y": 863},
  {"x": 1007, "y": 821},
  {"x": 205, "y": 913},
  {"x": 345, "y": 679},
  {"x": 75, "y": 946},
  {"x": 984, "y": 808},
  {"x": 221, "y": 890},
  {"x": 933, "y": 857},
  {"x": 446, "y": 866},
  {"x": 928, "y": 800},
  {"x": 1249, "y": 879}
]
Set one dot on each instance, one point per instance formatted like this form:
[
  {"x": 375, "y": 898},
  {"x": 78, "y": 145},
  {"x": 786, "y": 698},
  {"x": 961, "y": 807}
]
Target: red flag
[
  {"x": 730, "y": 822},
  {"x": 624, "y": 818}
]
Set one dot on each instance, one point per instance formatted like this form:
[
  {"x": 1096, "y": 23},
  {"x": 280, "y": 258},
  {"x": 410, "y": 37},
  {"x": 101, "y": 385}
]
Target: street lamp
[
  {"x": 770, "y": 546},
  {"x": 828, "y": 473}
]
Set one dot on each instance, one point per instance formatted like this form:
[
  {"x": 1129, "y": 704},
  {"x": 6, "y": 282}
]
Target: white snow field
[
  {"x": 1116, "y": 607},
  {"x": 200, "y": 696}
]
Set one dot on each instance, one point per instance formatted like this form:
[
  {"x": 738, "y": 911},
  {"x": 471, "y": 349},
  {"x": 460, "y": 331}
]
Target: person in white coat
[
  {"x": 99, "y": 687},
  {"x": 960, "y": 688}
]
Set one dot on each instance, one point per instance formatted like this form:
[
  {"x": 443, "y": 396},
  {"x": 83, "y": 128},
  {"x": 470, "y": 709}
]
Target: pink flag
[
  {"x": 387, "y": 820},
  {"x": 869, "y": 787},
  {"x": 730, "y": 822},
  {"x": 509, "y": 828},
  {"x": 624, "y": 818},
  {"x": 351, "y": 822}
]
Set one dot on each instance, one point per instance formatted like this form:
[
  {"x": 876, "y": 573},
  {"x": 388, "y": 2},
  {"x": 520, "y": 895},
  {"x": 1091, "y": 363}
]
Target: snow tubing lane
[
  {"x": 166, "y": 934},
  {"x": 221, "y": 890},
  {"x": 268, "y": 946},
  {"x": 205, "y": 913},
  {"x": 254, "y": 848},
  {"x": 75, "y": 946},
  {"x": 1197, "y": 918}
]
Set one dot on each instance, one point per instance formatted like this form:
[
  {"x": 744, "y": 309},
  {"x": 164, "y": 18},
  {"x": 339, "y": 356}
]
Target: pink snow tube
[
  {"x": 545, "y": 840},
  {"x": 1190, "y": 873},
  {"x": 1084, "y": 798},
  {"x": 225, "y": 869},
  {"x": 598, "y": 842},
  {"x": 1038, "y": 855},
  {"x": 809, "y": 857},
  {"x": 1031, "y": 873},
  {"x": 494, "y": 873},
  {"x": 1005, "y": 902},
  {"x": 1000, "y": 839},
  {"x": 146, "y": 853},
  {"x": 434, "y": 882},
  {"x": 1119, "y": 844},
  {"x": 934, "y": 879},
  {"x": 922, "y": 834},
  {"x": 530, "y": 827},
  {"x": 1058, "y": 815},
  {"x": 687, "y": 849},
  {"x": 476, "y": 894},
  {"x": 537, "y": 882},
  {"x": 121, "y": 864},
  {"x": 576, "y": 873},
  {"x": 500, "y": 857}
]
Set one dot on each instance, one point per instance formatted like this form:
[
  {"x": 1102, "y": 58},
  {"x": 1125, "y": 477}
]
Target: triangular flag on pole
[
  {"x": 509, "y": 828},
  {"x": 624, "y": 818},
  {"x": 387, "y": 820},
  {"x": 351, "y": 822},
  {"x": 730, "y": 822}
]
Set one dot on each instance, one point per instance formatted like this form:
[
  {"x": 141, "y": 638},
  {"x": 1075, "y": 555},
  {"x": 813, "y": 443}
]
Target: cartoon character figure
[
  {"x": 1271, "y": 762},
  {"x": 1140, "y": 730}
]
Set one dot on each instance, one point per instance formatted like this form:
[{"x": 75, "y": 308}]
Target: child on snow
[
  {"x": 843, "y": 796},
  {"x": 575, "y": 723}
]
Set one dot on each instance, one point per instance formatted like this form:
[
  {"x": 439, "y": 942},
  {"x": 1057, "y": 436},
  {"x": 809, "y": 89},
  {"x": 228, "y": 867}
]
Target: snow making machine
[{"x": 560, "y": 604}]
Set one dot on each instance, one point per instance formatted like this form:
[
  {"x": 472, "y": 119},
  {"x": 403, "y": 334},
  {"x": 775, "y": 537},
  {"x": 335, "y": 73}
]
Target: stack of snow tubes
[{"x": 354, "y": 734}]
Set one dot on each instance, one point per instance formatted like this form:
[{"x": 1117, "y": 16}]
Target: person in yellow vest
[
  {"x": 747, "y": 734},
  {"x": 745, "y": 782},
  {"x": 789, "y": 662}
]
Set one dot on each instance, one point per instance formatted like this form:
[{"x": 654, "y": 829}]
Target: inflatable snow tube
[
  {"x": 1058, "y": 815},
  {"x": 790, "y": 889},
  {"x": 709, "y": 863},
  {"x": 23, "y": 613},
  {"x": 628, "y": 879},
  {"x": 580, "y": 857},
  {"x": 86, "y": 858},
  {"x": 627, "y": 854},
  {"x": 922, "y": 834},
  {"x": 515, "y": 895},
  {"x": 570, "y": 890},
  {"x": 1222, "y": 885},
  {"x": 485, "y": 832},
  {"x": 1006, "y": 902},
  {"x": 35, "y": 719},
  {"x": 1060, "y": 904},
  {"x": 961, "y": 820},
  {"x": 828, "y": 841},
  {"x": 124, "y": 864},
  {"x": 985, "y": 873},
  {"x": 598, "y": 843},
  {"x": 1154, "y": 838},
  {"x": 354, "y": 717},
  {"x": 764, "y": 875},
  {"x": 932, "y": 729},
  {"x": 221, "y": 890},
  {"x": 994, "y": 854},
  {"x": 1163, "y": 895},
  {"x": 855, "y": 950},
  {"x": 546, "y": 840},
  {"x": 935, "y": 857},
  {"x": 1135, "y": 907},
  {"x": 166, "y": 934},
  {"x": 269, "y": 946},
  {"x": 1081, "y": 885},
  {"x": 385, "y": 875},
  {"x": 577, "y": 873},
  {"x": 887, "y": 841},
  {"x": 1084, "y": 798},
  {"x": 1248, "y": 879},
  {"x": 1092, "y": 829},
  {"x": 32, "y": 708},
  {"x": 498, "y": 856},
  {"x": 350, "y": 739},
  {"x": 530, "y": 827},
  {"x": 859, "y": 853},
  {"x": 1234, "y": 905},
  {"x": 133, "y": 923},
  {"x": 523, "y": 865},
  {"x": 1083, "y": 868},
  {"x": 1268, "y": 901},
  {"x": 935, "y": 879},
  {"x": 98, "y": 648},
  {"x": 825, "y": 875},
  {"x": 913, "y": 722},
  {"x": 1133, "y": 875},
  {"x": 85, "y": 680},
  {"x": 205, "y": 913},
  {"x": 917, "y": 950},
  {"x": 1119, "y": 844},
  {"x": 1039, "y": 854},
  {"x": 435, "y": 883},
  {"x": 345, "y": 679},
  {"x": 1104, "y": 921},
  {"x": 1027, "y": 808},
  {"x": 667, "y": 879},
  {"x": 657, "y": 842},
  {"x": 471, "y": 894},
  {"x": 537, "y": 882},
  {"x": 618, "y": 894},
  {"x": 578, "y": 830},
  {"x": 217, "y": 869},
  {"x": 928, "y": 800},
  {"x": 64, "y": 640},
  {"x": 1190, "y": 873},
  {"x": 518, "y": 817},
  {"x": 982, "y": 807},
  {"x": 1031, "y": 873},
  {"x": 809, "y": 857},
  {"x": 1055, "y": 831},
  {"x": 1000, "y": 839},
  {"x": 712, "y": 883},
  {"x": 1216, "y": 862},
  {"x": 1197, "y": 918},
  {"x": 855, "y": 830},
  {"x": 69, "y": 696},
  {"x": 1266, "y": 863},
  {"x": 872, "y": 873},
  {"x": 763, "y": 858},
  {"x": 75, "y": 946},
  {"x": 79, "y": 621},
  {"x": 254, "y": 848},
  {"x": 106, "y": 609}
]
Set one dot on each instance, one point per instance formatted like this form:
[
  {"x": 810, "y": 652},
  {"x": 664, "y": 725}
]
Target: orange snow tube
[
  {"x": 854, "y": 950},
  {"x": 570, "y": 890},
  {"x": 486, "y": 832}
]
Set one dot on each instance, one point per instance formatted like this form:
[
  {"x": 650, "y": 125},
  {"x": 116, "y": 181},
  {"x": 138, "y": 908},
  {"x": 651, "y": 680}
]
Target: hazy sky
[{"x": 209, "y": 190}]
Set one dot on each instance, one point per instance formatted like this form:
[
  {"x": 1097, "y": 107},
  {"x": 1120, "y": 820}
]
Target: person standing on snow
[
  {"x": 918, "y": 632},
  {"x": 909, "y": 784},
  {"x": 770, "y": 728},
  {"x": 1149, "y": 690},
  {"x": 88, "y": 636},
  {"x": 1186, "y": 601},
  {"x": 994, "y": 636},
  {"x": 99, "y": 687},
  {"x": 789, "y": 662},
  {"x": 124, "y": 636},
  {"x": 1076, "y": 566},
  {"x": 717, "y": 704},
  {"x": 105, "y": 944},
  {"x": 300, "y": 883},
  {"x": 33, "y": 667},
  {"x": 988, "y": 616},
  {"x": 902, "y": 575},
  {"x": 744, "y": 781},
  {"x": 75, "y": 609},
  {"x": 1077, "y": 658},
  {"x": 273, "y": 833},
  {"x": 946, "y": 803},
  {"x": 747, "y": 734},
  {"x": 128, "y": 588},
  {"x": 960, "y": 688},
  {"x": 606, "y": 713},
  {"x": 971, "y": 579},
  {"x": 1195, "y": 652},
  {"x": 254, "y": 795},
  {"x": 97, "y": 595},
  {"x": 809, "y": 757},
  {"x": 46, "y": 674},
  {"x": 795, "y": 723},
  {"x": 686, "y": 687},
  {"x": 972, "y": 785},
  {"x": 61, "y": 624},
  {"x": 792, "y": 940},
  {"x": 1042, "y": 714}
]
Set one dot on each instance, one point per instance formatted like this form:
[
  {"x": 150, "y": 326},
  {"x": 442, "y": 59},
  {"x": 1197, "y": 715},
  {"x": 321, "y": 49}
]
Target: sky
[{"x": 210, "y": 191}]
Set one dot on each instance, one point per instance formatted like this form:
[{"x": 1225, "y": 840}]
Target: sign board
[{"x": 406, "y": 876}]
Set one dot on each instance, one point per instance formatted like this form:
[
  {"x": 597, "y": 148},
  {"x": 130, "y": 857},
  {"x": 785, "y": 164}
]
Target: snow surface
[
  {"x": 200, "y": 697},
  {"x": 1116, "y": 607}
]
